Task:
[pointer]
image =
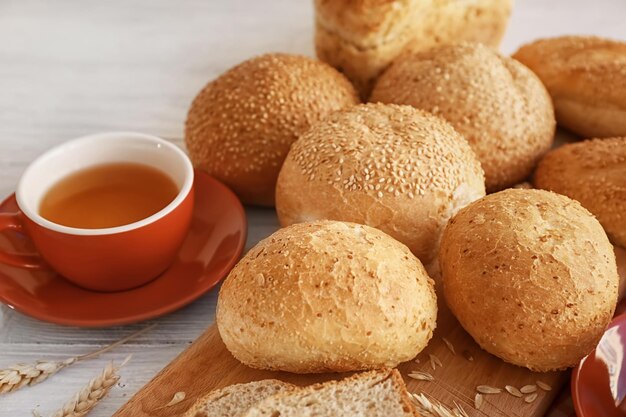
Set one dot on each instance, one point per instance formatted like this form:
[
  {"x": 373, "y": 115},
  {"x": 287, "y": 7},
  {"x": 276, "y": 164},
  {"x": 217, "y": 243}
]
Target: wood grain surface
[{"x": 75, "y": 67}]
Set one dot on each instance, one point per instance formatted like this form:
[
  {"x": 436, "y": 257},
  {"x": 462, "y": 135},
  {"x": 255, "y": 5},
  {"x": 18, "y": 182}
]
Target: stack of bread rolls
[{"x": 370, "y": 193}]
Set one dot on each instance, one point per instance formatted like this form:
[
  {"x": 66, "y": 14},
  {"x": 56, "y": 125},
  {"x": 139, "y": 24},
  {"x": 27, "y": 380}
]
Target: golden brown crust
[
  {"x": 406, "y": 399},
  {"x": 330, "y": 296},
  {"x": 241, "y": 125},
  {"x": 396, "y": 168},
  {"x": 361, "y": 37},
  {"x": 592, "y": 172},
  {"x": 586, "y": 77},
  {"x": 531, "y": 275},
  {"x": 496, "y": 103},
  {"x": 368, "y": 23}
]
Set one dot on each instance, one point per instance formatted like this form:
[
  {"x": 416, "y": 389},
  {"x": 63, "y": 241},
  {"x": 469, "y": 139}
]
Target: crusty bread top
[
  {"x": 367, "y": 23},
  {"x": 370, "y": 394},
  {"x": 234, "y": 400},
  {"x": 496, "y": 103},
  {"x": 326, "y": 296},
  {"x": 393, "y": 167},
  {"x": 594, "y": 173},
  {"x": 531, "y": 275},
  {"x": 582, "y": 67},
  {"x": 390, "y": 142}
]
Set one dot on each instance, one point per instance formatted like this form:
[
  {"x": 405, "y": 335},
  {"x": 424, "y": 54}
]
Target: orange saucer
[{"x": 213, "y": 245}]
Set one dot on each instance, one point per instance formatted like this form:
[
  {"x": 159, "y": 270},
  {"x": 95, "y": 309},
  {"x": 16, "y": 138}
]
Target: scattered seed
[
  {"x": 514, "y": 391},
  {"x": 478, "y": 401},
  {"x": 416, "y": 361},
  {"x": 468, "y": 355},
  {"x": 421, "y": 376},
  {"x": 486, "y": 389},
  {"x": 530, "y": 398},
  {"x": 527, "y": 389},
  {"x": 544, "y": 386},
  {"x": 449, "y": 345},
  {"x": 178, "y": 397},
  {"x": 434, "y": 361}
]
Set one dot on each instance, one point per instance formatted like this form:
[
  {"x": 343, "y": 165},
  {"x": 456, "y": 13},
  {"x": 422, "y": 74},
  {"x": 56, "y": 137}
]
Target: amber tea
[{"x": 108, "y": 195}]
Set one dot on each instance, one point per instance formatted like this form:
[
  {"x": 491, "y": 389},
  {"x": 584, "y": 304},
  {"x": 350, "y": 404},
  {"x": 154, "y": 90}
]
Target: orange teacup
[{"x": 104, "y": 259}]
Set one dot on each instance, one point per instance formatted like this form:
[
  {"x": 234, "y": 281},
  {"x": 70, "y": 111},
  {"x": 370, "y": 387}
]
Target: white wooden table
[{"x": 73, "y": 67}]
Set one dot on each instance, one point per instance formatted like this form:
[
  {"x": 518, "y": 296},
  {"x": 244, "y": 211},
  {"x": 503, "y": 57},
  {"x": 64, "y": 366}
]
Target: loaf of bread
[
  {"x": 496, "y": 103},
  {"x": 369, "y": 394},
  {"x": 592, "y": 172},
  {"x": 235, "y": 400},
  {"x": 396, "y": 168},
  {"x": 531, "y": 276},
  {"x": 241, "y": 125},
  {"x": 586, "y": 77},
  {"x": 361, "y": 37},
  {"x": 326, "y": 296}
]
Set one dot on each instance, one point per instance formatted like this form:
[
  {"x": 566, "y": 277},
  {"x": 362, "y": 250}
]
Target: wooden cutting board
[{"x": 207, "y": 365}]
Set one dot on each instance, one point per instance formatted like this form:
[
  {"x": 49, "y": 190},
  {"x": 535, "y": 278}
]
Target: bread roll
[
  {"x": 592, "y": 172},
  {"x": 586, "y": 77},
  {"x": 241, "y": 125},
  {"x": 531, "y": 276},
  {"x": 395, "y": 168},
  {"x": 326, "y": 296},
  {"x": 361, "y": 37},
  {"x": 496, "y": 103}
]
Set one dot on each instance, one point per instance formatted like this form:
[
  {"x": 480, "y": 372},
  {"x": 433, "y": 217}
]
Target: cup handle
[{"x": 11, "y": 221}]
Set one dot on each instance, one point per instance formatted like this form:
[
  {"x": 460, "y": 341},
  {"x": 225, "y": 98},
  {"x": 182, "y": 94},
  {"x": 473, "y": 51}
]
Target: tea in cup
[{"x": 107, "y": 212}]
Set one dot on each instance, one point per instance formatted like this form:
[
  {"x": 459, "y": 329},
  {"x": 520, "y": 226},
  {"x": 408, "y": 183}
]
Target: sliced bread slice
[
  {"x": 234, "y": 400},
  {"x": 379, "y": 393}
]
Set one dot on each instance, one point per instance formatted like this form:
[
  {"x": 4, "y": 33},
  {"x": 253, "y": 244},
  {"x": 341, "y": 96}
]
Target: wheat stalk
[
  {"x": 433, "y": 408},
  {"x": 25, "y": 374},
  {"x": 88, "y": 397}
]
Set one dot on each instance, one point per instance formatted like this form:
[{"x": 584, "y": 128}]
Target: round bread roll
[
  {"x": 531, "y": 276},
  {"x": 241, "y": 125},
  {"x": 327, "y": 296},
  {"x": 361, "y": 38},
  {"x": 396, "y": 168},
  {"x": 592, "y": 172},
  {"x": 586, "y": 77},
  {"x": 496, "y": 103}
]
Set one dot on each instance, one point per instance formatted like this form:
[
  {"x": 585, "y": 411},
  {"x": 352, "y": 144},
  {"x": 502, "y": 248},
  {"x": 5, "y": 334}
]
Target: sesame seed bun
[
  {"x": 496, "y": 103},
  {"x": 592, "y": 172},
  {"x": 241, "y": 125},
  {"x": 586, "y": 77},
  {"x": 396, "y": 168},
  {"x": 531, "y": 276},
  {"x": 330, "y": 296}
]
